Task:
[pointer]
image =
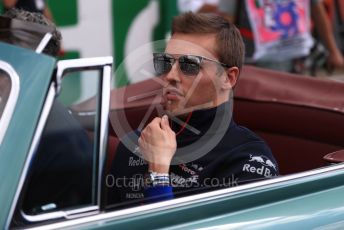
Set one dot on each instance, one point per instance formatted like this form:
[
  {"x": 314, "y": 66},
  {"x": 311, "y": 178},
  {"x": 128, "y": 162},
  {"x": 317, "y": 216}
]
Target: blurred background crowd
[{"x": 298, "y": 36}]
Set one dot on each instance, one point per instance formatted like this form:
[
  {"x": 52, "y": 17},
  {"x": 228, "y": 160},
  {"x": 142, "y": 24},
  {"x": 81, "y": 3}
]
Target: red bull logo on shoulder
[{"x": 264, "y": 170}]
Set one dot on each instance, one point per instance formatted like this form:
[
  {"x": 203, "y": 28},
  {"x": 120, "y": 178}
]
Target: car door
[
  {"x": 30, "y": 76},
  {"x": 61, "y": 171}
]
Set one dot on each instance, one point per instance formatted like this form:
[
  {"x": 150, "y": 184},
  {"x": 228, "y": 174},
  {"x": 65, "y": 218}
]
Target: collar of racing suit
[{"x": 204, "y": 122}]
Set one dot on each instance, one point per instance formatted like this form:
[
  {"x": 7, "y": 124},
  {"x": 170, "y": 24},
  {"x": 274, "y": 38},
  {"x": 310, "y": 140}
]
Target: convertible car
[{"x": 301, "y": 119}]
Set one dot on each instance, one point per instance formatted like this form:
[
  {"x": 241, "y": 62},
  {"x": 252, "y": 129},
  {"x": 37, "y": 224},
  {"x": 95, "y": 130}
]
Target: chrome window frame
[
  {"x": 292, "y": 179},
  {"x": 103, "y": 64},
  {"x": 12, "y": 98},
  {"x": 44, "y": 42}
]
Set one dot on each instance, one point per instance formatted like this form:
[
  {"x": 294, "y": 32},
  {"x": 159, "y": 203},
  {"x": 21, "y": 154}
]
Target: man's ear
[{"x": 231, "y": 77}]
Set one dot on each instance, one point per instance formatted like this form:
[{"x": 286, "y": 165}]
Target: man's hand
[{"x": 158, "y": 144}]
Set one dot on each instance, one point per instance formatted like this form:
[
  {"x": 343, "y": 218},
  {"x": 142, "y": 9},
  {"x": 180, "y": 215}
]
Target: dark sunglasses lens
[
  {"x": 162, "y": 64},
  {"x": 189, "y": 65}
]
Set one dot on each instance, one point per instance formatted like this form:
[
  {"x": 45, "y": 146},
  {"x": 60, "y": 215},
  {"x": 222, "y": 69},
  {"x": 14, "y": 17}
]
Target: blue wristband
[{"x": 158, "y": 193}]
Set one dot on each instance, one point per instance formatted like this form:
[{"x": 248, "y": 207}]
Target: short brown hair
[{"x": 230, "y": 46}]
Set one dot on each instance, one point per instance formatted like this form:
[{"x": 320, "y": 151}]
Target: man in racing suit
[{"x": 196, "y": 146}]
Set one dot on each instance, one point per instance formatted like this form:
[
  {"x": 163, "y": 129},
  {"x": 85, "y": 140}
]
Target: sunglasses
[{"x": 188, "y": 64}]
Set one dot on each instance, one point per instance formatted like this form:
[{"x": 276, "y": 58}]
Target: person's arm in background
[
  {"x": 9, "y": 3},
  {"x": 325, "y": 31},
  {"x": 47, "y": 13}
]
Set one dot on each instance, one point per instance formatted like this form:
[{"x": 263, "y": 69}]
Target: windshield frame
[{"x": 12, "y": 98}]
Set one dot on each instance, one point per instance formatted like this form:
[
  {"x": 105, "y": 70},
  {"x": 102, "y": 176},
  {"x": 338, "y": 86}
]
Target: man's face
[{"x": 184, "y": 93}]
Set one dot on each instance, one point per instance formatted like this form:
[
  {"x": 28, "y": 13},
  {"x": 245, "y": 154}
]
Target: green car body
[
  {"x": 306, "y": 200},
  {"x": 34, "y": 71}
]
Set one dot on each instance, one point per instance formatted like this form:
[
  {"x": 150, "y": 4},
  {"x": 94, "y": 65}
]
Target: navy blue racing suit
[{"x": 213, "y": 152}]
